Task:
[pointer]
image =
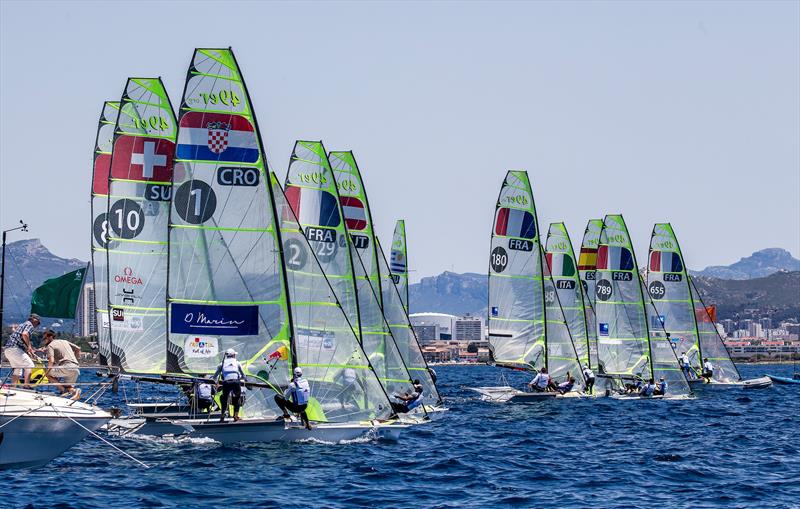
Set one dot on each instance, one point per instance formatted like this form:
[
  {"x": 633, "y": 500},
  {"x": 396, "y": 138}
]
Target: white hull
[
  {"x": 36, "y": 428},
  {"x": 753, "y": 383},
  {"x": 507, "y": 394},
  {"x": 419, "y": 416},
  {"x": 267, "y": 430}
]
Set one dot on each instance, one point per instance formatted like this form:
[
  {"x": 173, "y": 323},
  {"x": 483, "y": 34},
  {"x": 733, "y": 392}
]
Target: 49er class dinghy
[
  {"x": 527, "y": 329},
  {"x": 242, "y": 275},
  {"x": 35, "y": 427},
  {"x": 631, "y": 349},
  {"x": 685, "y": 317}
]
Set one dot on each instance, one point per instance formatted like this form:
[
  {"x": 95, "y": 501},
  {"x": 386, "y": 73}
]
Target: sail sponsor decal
[
  {"x": 515, "y": 223},
  {"x": 603, "y": 329},
  {"x": 198, "y": 347},
  {"x": 120, "y": 321},
  {"x": 221, "y": 320},
  {"x": 140, "y": 158},
  {"x": 217, "y": 137},
  {"x": 316, "y": 340},
  {"x": 355, "y": 214}
]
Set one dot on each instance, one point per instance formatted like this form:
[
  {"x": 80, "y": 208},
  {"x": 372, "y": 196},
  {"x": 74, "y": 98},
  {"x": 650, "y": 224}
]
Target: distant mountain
[
  {"x": 450, "y": 293},
  {"x": 777, "y": 295},
  {"x": 759, "y": 264},
  {"x": 28, "y": 265}
]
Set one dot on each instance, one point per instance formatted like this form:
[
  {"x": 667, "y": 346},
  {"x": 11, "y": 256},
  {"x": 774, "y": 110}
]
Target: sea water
[{"x": 726, "y": 448}]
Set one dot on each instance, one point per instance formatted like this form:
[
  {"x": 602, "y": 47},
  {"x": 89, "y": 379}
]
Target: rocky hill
[
  {"x": 28, "y": 265},
  {"x": 759, "y": 264}
]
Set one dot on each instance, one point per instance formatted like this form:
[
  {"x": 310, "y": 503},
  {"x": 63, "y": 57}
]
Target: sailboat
[
  {"x": 567, "y": 299},
  {"x": 398, "y": 261},
  {"x": 520, "y": 293},
  {"x": 631, "y": 347},
  {"x": 242, "y": 275},
  {"x": 140, "y": 188},
  {"x": 99, "y": 224},
  {"x": 587, "y": 266},
  {"x": 313, "y": 194},
  {"x": 358, "y": 216},
  {"x": 684, "y": 316}
]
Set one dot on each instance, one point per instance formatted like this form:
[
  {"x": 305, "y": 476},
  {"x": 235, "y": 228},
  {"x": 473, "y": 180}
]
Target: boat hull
[
  {"x": 782, "y": 380},
  {"x": 508, "y": 394},
  {"x": 763, "y": 382},
  {"x": 36, "y": 428},
  {"x": 264, "y": 430}
]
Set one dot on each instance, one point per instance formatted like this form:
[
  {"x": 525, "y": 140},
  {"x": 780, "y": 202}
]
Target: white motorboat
[
  {"x": 35, "y": 427},
  {"x": 763, "y": 382}
]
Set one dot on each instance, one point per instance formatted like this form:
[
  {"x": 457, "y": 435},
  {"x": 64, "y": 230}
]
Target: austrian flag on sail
[{"x": 354, "y": 212}]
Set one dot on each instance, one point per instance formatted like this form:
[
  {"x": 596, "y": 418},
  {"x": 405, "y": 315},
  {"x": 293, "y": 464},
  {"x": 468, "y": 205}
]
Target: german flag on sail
[{"x": 587, "y": 260}]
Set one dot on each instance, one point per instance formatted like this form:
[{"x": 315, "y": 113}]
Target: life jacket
[
  {"x": 349, "y": 376},
  {"x": 230, "y": 369},
  {"x": 662, "y": 386},
  {"x": 647, "y": 390},
  {"x": 301, "y": 391},
  {"x": 414, "y": 403},
  {"x": 708, "y": 367},
  {"x": 542, "y": 380},
  {"x": 685, "y": 361},
  {"x": 588, "y": 373},
  {"x": 204, "y": 391}
]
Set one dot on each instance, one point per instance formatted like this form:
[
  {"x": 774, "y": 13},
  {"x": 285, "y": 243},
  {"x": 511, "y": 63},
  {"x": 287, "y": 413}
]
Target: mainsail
[
  {"x": 398, "y": 261},
  {"x": 311, "y": 190},
  {"x": 623, "y": 346},
  {"x": 100, "y": 234},
  {"x": 324, "y": 342},
  {"x": 567, "y": 301},
  {"x": 680, "y": 308},
  {"x": 587, "y": 264},
  {"x": 516, "y": 287},
  {"x": 668, "y": 286},
  {"x": 377, "y": 342},
  {"x": 140, "y": 183},
  {"x": 226, "y": 283},
  {"x": 711, "y": 343}
]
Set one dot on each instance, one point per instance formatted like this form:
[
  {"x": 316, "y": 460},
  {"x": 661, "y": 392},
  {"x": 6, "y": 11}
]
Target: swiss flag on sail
[{"x": 140, "y": 158}]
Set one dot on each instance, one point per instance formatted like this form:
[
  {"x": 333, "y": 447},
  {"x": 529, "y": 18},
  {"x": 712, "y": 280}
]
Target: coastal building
[
  {"x": 432, "y": 326},
  {"x": 86, "y": 313},
  {"x": 468, "y": 328}
]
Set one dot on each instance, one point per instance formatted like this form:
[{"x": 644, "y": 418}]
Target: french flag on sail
[
  {"x": 354, "y": 213},
  {"x": 614, "y": 258},
  {"x": 515, "y": 223},
  {"x": 665, "y": 261},
  {"x": 217, "y": 137},
  {"x": 313, "y": 207}
]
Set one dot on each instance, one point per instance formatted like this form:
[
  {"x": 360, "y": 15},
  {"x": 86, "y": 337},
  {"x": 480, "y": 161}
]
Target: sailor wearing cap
[
  {"x": 661, "y": 387},
  {"x": 232, "y": 377},
  {"x": 295, "y": 398},
  {"x": 18, "y": 349}
]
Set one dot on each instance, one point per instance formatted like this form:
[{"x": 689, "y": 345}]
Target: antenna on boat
[{"x": 24, "y": 227}]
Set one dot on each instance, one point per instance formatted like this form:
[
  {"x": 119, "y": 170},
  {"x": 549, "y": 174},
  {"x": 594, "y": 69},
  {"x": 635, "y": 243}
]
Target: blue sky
[{"x": 684, "y": 112}]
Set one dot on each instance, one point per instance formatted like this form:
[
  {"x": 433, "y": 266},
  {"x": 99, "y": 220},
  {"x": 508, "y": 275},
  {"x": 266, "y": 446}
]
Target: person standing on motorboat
[
  {"x": 232, "y": 377},
  {"x": 409, "y": 401},
  {"x": 62, "y": 364},
  {"x": 19, "y": 352},
  {"x": 708, "y": 370},
  {"x": 661, "y": 387},
  {"x": 648, "y": 389},
  {"x": 588, "y": 375},
  {"x": 685, "y": 366},
  {"x": 295, "y": 398},
  {"x": 540, "y": 382}
]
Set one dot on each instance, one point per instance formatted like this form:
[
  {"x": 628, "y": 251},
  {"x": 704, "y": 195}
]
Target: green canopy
[{"x": 58, "y": 297}]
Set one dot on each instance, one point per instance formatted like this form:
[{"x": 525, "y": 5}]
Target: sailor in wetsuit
[
  {"x": 661, "y": 387},
  {"x": 295, "y": 398},
  {"x": 409, "y": 401},
  {"x": 588, "y": 374},
  {"x": 232, "y": 377},
  {"x": 647, "y": 389},
  {"x": 708, "y": 370}
]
